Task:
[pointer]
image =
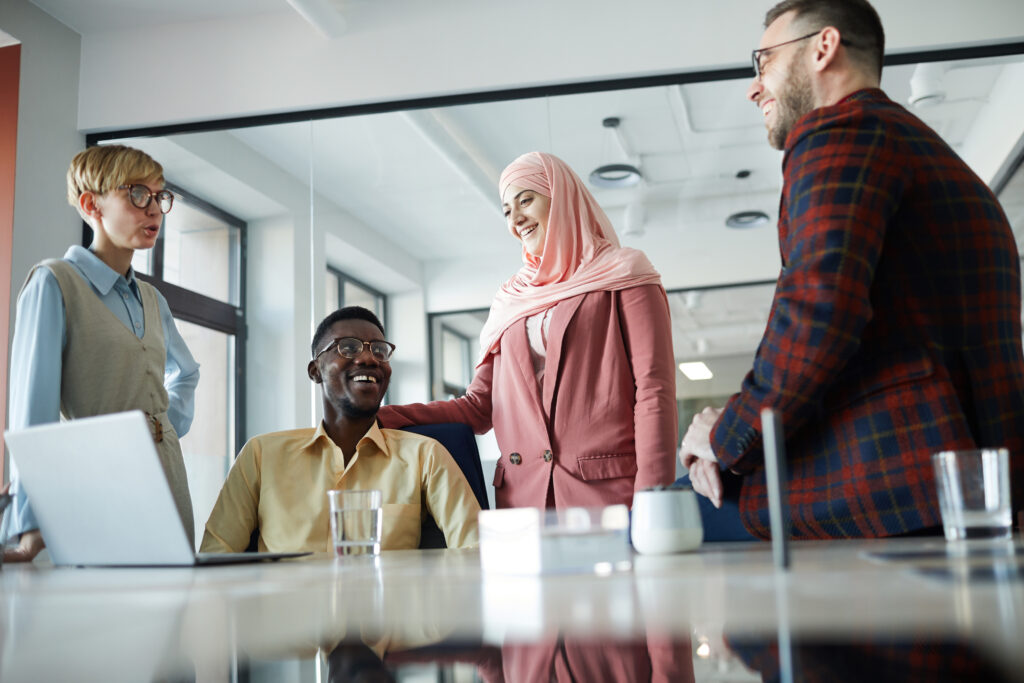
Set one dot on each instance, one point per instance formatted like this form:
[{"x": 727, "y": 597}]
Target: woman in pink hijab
[{"x": 577, "y": 374}]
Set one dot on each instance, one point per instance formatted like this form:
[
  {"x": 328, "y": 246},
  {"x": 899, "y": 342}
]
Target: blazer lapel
[
  {"x": 518, "y": 348},
  {"x": 560, "y": 319}
]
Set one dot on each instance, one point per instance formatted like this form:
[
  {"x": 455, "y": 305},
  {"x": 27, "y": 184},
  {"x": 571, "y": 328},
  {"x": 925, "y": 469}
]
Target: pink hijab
[{"x": 581, "y": 251}]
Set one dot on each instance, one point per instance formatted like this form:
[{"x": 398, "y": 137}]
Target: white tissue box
[{"x": 571, "y": 540}]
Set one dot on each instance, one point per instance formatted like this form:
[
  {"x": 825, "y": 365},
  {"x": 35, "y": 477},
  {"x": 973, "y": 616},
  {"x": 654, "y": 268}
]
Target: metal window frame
[
  {"x": 203, "y": 310},
  {"x": 344, "y": 277},
  {"x": 452, "y": 388}
]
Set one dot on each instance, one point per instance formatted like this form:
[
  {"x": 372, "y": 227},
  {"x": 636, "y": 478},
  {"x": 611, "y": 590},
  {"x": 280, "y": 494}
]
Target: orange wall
[{"x": 10, "y": 67}]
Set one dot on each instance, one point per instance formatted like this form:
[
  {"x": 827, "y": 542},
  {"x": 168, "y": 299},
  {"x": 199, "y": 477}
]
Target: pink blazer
[
  {"x": 603, "y": 423},
  {"x": 657, "y": 658}
]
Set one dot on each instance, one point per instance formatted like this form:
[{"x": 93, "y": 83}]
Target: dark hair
[
  {"x": 856, "y": 20},
  {"x": 347, "y": 313}
]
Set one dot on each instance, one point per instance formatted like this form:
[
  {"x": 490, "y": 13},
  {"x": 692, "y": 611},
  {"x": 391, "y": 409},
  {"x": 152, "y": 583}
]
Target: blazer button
[
  {"x": 548, "y": 456},
  {"x": 515, "y": 458}
]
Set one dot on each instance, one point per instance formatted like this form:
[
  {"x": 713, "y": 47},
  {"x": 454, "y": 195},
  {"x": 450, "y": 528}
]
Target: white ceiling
[
  {"x": 97, "y": 16},
  {"x": 435, "y": 192},
  {"x": 426, "y": 180}
]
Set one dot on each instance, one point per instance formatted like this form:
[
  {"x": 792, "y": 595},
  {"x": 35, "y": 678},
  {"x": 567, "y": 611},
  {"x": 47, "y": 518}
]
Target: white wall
[
  {"x": 408, "y": 48},
  {"x": 407, "y": 330},
  {"x": 44, "y": 224},
  {"x": 274, "y": 397},
  {"x": 457, "y": 285}
]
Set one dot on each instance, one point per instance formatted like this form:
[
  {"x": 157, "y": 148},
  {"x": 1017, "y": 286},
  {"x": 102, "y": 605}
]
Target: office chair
[{"x": 459, "y": 440}]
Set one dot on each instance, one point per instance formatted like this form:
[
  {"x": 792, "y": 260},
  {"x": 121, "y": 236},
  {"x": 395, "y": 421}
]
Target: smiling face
[
  {"x": 352, "y": 387},
  {"x": 783, "y": 92},
  {"x": 120, "y": 225},
  {"x": 526, "y": 212}
]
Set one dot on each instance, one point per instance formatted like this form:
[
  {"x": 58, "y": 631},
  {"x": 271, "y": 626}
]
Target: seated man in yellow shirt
[{"x": 279, "y": 481}]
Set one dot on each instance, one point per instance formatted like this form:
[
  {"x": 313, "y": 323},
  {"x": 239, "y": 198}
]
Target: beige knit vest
[{"x": 107, "y": 369}]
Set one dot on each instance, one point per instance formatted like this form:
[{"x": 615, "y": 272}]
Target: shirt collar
[
  {"x": 373, "y": 435},
  {"x": 864, "y": 94},
  {"x": 101, "y": 276}
]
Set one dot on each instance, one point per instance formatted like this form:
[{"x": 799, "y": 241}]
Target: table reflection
[
  {"x": 748, "y": 659},
  {"x": 858, "y": 610},
  {"x": 879, "y": 661}
]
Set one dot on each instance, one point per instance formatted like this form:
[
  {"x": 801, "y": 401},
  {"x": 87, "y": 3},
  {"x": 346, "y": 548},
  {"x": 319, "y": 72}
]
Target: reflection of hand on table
[
  {"x": 697, "y": 457},
  {"x": 30, "y": 546}
]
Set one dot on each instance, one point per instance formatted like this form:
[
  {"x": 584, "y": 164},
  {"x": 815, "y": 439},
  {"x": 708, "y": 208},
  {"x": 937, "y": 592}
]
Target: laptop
[{"x": 101, "y": 497}]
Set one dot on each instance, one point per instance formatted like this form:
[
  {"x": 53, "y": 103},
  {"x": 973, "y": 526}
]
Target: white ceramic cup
[{"x": 666, "y": 521}]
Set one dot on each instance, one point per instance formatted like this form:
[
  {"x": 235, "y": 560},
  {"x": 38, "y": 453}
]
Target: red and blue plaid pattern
[
  {"x": 895, "y": 330},
  {"x": 914, "y": 657}
]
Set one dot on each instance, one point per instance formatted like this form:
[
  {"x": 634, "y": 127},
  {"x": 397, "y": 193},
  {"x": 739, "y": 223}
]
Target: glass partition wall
[{"x": 401, "y": 199}]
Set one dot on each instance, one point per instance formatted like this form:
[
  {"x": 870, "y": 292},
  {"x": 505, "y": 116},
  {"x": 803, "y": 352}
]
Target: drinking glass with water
[
  {"x": 974, "y": 493},
  {"x": 356, "y": 520}
]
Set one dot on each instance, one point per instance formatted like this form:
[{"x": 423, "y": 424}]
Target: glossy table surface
[{"x": 137, "y": 624}]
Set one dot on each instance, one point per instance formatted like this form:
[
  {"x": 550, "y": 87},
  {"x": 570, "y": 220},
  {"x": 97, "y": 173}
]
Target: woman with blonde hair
[
  {"x": 577, "y": 374},
  {"x": 91, "y": 339}
]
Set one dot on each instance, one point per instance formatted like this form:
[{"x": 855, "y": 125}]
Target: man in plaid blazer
[{"x": 895, "y": 330}]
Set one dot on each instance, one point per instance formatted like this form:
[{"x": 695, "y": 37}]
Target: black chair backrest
[{"x": 459, "y": 440}]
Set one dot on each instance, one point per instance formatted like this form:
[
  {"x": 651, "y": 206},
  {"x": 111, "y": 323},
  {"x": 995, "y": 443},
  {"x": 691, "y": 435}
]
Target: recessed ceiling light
[
  {"x": 746, "y": 219},
  {"x": 696, "y": 372}
]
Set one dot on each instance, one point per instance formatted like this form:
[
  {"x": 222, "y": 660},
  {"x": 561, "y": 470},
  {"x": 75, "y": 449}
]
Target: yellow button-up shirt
[{"x": 279, "y": 485}]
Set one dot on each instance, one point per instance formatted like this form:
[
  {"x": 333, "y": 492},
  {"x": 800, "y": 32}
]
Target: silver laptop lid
[{"x": 99, "y": 492}]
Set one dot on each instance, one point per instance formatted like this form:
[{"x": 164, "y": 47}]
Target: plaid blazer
[{"x": 895, "y": 330}]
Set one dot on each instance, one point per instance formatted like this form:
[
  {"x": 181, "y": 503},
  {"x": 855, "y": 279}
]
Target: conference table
[{"x": 722, "y": 612}]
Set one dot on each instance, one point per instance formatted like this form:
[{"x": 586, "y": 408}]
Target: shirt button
[
  {"x": 515, "y": 458},
  {"x": 138, "y": 325},
  {"x": 548, "y": 456}
]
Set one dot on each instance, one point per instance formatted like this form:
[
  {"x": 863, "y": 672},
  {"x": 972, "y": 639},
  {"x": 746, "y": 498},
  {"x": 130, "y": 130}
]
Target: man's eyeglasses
[
  {"x": 755, "y": 55},
  {"x": 350, "y": 347},
  {"x": 140, "y": 197}
]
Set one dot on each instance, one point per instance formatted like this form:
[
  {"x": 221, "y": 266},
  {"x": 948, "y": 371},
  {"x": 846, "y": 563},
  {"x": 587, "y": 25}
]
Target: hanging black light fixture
[{"x": 616, "y": 175}]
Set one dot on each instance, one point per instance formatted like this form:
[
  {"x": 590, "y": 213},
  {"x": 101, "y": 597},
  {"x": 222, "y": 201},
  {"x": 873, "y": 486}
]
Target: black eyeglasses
[
  {"x": 140, "y": 197},
  {"x": 350, "y": 347},
  {"x": 755, "y": 55}
]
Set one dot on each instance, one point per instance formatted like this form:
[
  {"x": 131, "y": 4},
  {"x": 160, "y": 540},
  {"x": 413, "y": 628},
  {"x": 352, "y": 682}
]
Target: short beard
[
  {"x": 354, "y": 412},
  {"x": 792, "y": 103}
]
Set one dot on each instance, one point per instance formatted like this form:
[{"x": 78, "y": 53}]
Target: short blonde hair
[{"x": 106, "y": 167}]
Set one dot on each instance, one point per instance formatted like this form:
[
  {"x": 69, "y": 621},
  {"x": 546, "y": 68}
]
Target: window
[
  {"x": 454, "y": 347},
  {"x": 456, "y": 365},
  {"x": 197, "y": 265},
  {"x": 343, "y": 290}
]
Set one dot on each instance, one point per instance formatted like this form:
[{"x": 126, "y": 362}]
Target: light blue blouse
[{"x": 40, "y": 337}]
